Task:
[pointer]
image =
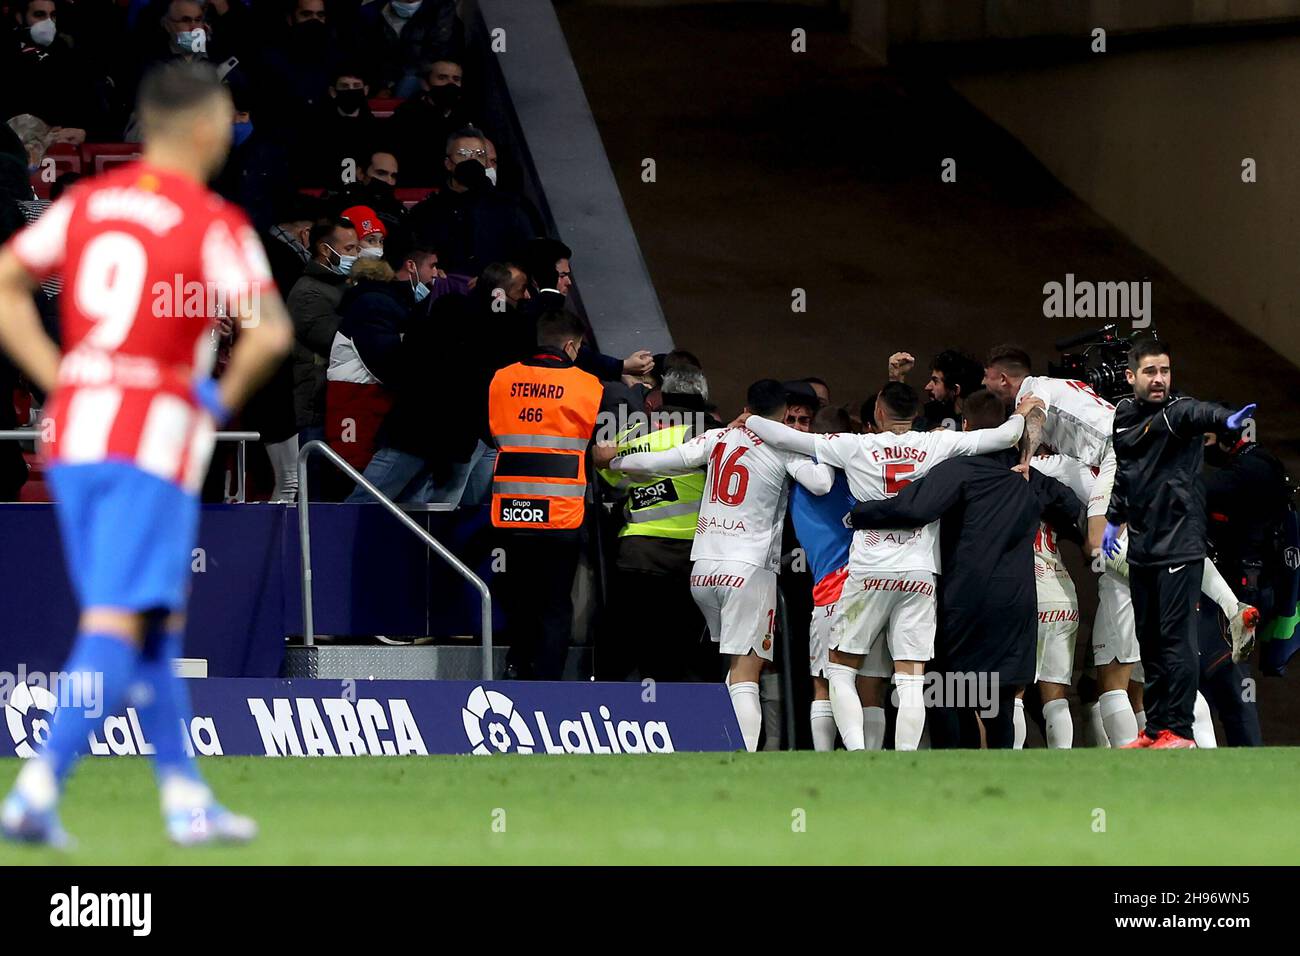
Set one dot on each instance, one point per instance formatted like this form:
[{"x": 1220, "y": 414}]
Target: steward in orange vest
[{"x": 542, "y": 413}]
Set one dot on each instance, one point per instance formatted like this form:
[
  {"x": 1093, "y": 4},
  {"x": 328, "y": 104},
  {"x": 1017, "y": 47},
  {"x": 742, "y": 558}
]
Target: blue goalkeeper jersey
[{"x": 821, "y": 524}]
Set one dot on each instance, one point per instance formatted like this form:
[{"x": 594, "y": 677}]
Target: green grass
[{"x": 1220, "y": 807}]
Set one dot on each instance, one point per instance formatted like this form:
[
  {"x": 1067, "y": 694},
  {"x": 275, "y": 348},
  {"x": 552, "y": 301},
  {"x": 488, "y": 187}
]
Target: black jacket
[
  {"x": 1158, "y": 490},
  {"x": 1246, "y": 500},
  {"x": 988, "y": 605},
  {"x": 375, "y": 314},
  {"x": 475, "y": 228}
]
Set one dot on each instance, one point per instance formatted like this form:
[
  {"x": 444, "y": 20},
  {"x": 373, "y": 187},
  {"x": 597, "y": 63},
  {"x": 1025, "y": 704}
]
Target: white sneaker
[{"x": 1241, "y": 628}]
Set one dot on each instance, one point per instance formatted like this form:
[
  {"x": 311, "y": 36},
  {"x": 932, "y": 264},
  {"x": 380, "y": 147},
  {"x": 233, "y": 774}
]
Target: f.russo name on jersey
[{"x": 899, "y": 453}]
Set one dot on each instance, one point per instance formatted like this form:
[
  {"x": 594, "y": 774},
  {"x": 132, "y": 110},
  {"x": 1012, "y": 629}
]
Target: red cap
[{"x": 366, "y": 221}]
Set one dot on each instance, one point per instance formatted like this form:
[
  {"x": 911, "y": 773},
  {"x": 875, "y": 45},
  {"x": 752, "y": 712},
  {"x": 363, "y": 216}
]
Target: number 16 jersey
[{"x": 742, "y": 513}]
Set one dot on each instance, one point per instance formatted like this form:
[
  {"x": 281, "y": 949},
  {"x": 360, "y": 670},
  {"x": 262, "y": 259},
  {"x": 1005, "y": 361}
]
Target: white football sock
[
  {"x": 873, "y": 728},
  {"x": 180, "y": 793},
  {"x": 37, "y": 784},
  {"x": 1018, "y": 721},
  {"x": 1203, "y": 724},
  {"x": 823, "y": 726},
  {"x": 845, "y": 704},
  {"x": 1141, "y": 718},
  {"x": 770, "y": 697},
  {"x": 749, "y": 712},
  {"x": 1213, "y": 585},
  {"x": 1060, "y": 726},
  {"x": 1094, "y": 731},
  {"x": 910, "y": 721},
  {"x": 1117, "y": 718}
]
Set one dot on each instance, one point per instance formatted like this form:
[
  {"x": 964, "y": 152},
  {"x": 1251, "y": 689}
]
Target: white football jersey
[
  {"x": 1050, "y": 575},
  {"x": 1079, "y": 422},
  {"x": 880, "y": 465},
  {"x": 742, "y": 513}
]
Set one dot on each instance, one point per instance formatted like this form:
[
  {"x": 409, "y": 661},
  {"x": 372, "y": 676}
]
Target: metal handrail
[
  {"x": 241, "y": 453},
  {"x": 304, "y": 539}
]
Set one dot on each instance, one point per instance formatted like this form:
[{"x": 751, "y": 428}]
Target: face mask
[
  {"x": 344, "y": 264},
  {"x": 421, "y": 291},
  {"x": 372, "y": 252},
  {"x": 470, "y": 174},
  {"x": 491, "y": 175},
  {"x": 349, "y": 101},
  {"x": 445, "y": 97},
  {"x": 241, "y": 133},
  {"x": 405, "y": 10},
  {"x": 43, "y": 32}
]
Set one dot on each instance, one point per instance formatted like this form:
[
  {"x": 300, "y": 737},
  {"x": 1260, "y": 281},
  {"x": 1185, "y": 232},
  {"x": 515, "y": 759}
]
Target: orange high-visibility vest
[{"x": 542, "y": 419}]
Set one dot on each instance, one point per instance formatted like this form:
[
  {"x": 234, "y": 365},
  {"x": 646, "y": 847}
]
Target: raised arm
[
  {"x": 782, "y": 436},
  {"x": 981, "y": 441},
  {"x": 684, "y": 459}
]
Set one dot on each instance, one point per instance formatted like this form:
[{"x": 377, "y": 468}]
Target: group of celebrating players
[{"x": 875, "y": 591}]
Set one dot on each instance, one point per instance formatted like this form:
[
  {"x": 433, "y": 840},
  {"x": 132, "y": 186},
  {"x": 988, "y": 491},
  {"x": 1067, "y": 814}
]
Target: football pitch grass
[{"x": 1082, "y": 807}]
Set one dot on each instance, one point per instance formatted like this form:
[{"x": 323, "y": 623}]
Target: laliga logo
[
  {"x": 492, "y": 724},
  {"x": 28, "y": 714}
]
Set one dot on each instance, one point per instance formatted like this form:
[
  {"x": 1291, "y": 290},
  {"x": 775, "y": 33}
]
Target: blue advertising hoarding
[{"x": 309, "y": 718}]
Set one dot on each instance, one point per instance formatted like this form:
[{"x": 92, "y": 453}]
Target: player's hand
[
  {"x": 1110, "y": 540},
  {"x": 603, "y": 453},
  {"x": 1022, "y": 469},
  {"x": 207, "y": 393},
  {"x": 740, "y": 419},
  {"x": 639, "y": 362},
  {"x": 900, "y": 363},
  {"x": 1029, "y": 403},
  {"x": 1238, "y": 418}
]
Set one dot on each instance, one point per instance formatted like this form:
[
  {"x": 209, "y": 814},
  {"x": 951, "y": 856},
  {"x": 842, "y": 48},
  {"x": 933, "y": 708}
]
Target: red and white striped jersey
[{"x": 149, "y": 259}]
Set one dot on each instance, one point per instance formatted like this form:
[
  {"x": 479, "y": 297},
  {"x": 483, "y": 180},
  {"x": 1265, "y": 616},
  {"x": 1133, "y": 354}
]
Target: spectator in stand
[
  {"x": 429, "y": 117},
  {"x": 371, "y": 231},
  {"x": 314, "y": 306},
  {"x": 296, "y": 66},
  {"x": 471, "y": 223},
  {"x": 402, "y": 38},
  {"x": 288, "y": 241},
  {"x": 45, "y": 75},
  {"x": 257, "y": 169},
  {"x": 550, "y": 274},
  {"x": 491, "y": 160},
  {"x": 363, "y": 367},
  {"x": 418, "y": 446},
  {"x": 374, "y": 188},
  {"x": 335, "y": 138}
]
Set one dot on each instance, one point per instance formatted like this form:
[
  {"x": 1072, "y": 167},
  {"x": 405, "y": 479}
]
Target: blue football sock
[
  {"x": 100, "y": 670},
  {"x": 164, "y": 703}
]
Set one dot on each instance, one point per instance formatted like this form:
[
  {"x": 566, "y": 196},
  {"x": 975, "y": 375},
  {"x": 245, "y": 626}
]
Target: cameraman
[{"x": 1158, "y": 493}]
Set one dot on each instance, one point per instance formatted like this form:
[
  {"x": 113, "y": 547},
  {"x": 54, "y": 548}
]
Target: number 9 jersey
[{"x": 150, "y": 260}]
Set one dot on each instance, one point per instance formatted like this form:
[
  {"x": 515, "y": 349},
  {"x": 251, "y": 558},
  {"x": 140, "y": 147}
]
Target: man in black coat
[
  {"x": 1159, "y": 449},
  {"x": 987, "y": 601}
]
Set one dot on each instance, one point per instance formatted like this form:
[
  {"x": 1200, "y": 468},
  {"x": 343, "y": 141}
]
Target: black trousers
[
  {"x": 953, "y": 728},
  {"x": 1164, "y": 610},
  {"x": 536, "y": 592},
  {"x": 654, "y": 629}
]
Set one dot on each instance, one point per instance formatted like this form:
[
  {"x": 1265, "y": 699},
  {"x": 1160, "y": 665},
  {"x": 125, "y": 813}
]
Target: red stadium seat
[
  {"x": 100, "y": 156},
  {"x": 411, "y": 195},
  {"x": 383, "y": 106}
]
